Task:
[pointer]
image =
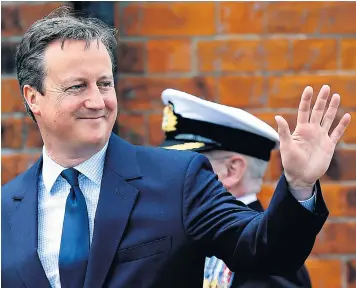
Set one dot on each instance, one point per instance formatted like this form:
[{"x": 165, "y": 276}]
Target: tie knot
[{"x": 71, "y": 175}]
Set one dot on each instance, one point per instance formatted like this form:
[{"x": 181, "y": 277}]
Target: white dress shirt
[{"x": 52, "y": 196}]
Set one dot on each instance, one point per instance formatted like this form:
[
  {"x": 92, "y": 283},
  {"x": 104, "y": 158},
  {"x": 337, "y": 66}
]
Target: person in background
[{"x": 238, "y": 146}]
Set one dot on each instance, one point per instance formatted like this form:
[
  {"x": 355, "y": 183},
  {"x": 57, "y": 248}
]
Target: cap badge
[{"x": 170, "y": 120}]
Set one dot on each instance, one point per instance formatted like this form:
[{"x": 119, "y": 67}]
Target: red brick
[
  {"x": 242, "y": 91},
  {"x": 131, "y": 57},
  {"x": 156, "y": 135},
  {"x": 33, "y": 139},
  {"x": 338, "y": 17},
  {"x": 243, "y": 55},
  {"x": 293, "y": 17},
  {"x": 348, "y": 52},
  {"x": 14, "y": 164},
  {"x": 285, "y": 91},
  {"x": 12, "y": 100},
  {"x": 11, "y": 133},
  {"x": 128, "y": 21},
  {"x": 325, "y": 273},
  {"x": 346, "y": 87},
  {"x": 132, "y": 128},
  {"x": 336, "y": 238},
  {"x": 341, "y": 200},
  {"x": 145, "y": 93},
  {"x": 310, "y": 17},
  {"x": 351, "y": 273},
  {"x": 16, "y": 19},
  {"x": 168, "y": 55},
  {"x": 171, "y": 18},
  {"x": 350, "y": 133},
  {"x": 347, "y": 159},
  {"x": 241, "y": 17},
  {"x": 314, "y": 54}
]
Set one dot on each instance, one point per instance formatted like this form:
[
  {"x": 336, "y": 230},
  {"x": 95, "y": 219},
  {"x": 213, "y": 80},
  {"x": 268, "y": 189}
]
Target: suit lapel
[
  {"x": 116, "y": 201},
  {"x": 23, "y": 226}
]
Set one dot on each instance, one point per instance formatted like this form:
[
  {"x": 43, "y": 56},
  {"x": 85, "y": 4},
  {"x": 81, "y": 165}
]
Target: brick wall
[{"x": 253, "y": 55}]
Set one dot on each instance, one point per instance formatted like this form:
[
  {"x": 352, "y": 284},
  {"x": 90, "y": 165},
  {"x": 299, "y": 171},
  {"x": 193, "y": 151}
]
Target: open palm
[{"x": 307, "y": 153}]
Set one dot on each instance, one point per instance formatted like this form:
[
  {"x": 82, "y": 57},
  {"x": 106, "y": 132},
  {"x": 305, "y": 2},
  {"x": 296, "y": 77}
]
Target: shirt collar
[
  {"x": 248, "y": 199},
  {"x": 91, "y": 168}
]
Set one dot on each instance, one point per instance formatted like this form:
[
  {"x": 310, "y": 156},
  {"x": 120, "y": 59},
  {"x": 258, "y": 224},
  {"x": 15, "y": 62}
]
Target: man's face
[{"x": 79, "y": 106}]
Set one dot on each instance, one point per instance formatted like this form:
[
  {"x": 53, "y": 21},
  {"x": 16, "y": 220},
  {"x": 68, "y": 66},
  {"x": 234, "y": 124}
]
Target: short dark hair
[{"x": 62, "y": 24}]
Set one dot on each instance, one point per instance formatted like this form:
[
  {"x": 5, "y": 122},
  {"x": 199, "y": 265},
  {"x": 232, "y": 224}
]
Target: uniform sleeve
[{"x": 276, "y": 241}]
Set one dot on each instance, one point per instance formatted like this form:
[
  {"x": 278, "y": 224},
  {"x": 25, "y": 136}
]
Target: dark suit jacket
[
  {"x": 296, "y": 279},
  {"x": 160, "y": 213}
]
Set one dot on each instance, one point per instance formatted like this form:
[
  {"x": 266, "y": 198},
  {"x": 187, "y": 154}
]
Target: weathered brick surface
[
  {"x": 243, "y": 55},
  {"x": 314, "y": 54},
  {"x": 11, "y": 133},
  {"x": 131, "y": 57},
  {"x": 254, "y": 55},
  {"x": 242, "y": 91},
  {"x": 348, "y": 50},
  {"x": 14, "y": 164},
  {"x": 325, "y": 273},
  {"x": 171, "y": 55},
  {"x": 11, "y": 100},
  {"x": 241, "y": 18},
  {"x": 168, "y": 18}
]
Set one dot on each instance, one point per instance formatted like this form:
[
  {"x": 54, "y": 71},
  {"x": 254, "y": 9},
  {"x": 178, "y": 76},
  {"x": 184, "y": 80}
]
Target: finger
[
  {"x": 319, "y": 107},
  {"x": 283, "y": 130},
  {"x": 331, "y": 112},
  {"x": 340, "y": 128},
  {"x": 304, "y": 105}
]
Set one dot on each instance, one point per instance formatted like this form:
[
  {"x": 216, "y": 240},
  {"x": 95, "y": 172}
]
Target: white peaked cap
[{"x": 192, "y": 123}]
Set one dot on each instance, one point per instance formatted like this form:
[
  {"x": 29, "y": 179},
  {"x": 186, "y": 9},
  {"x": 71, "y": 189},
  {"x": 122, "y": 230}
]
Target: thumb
[{"x": 283, "y": 131}]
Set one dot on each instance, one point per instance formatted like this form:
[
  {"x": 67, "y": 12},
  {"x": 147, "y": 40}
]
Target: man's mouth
[{"x": 91, "y": 118}]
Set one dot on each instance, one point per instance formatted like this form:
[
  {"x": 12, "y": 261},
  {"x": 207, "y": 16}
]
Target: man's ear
[
  {"x": 236, "y": 168},
  {"x": 31, "y": 96}
]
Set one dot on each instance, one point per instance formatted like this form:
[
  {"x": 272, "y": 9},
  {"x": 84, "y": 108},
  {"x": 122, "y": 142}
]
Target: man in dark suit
[
  {"x": 240, "y": 169},
  {"x": 96, "y": 211}
]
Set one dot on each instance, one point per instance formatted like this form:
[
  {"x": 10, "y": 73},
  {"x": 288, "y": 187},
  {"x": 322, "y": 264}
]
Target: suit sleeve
[{"x": 277, "y": 241}]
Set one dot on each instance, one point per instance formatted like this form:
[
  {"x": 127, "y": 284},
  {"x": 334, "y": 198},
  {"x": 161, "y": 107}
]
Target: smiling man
[
  {"x": 77, "y": 114},
  {"x": 95, "y": 211}
]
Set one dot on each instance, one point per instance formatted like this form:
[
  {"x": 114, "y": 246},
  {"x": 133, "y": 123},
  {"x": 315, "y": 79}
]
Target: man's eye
[
  {"x": 106, "y": 84},
  {"x": 76, "y": 87}
]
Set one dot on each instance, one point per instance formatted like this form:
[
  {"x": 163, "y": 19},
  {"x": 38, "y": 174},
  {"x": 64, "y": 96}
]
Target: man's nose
[{"x": 95, "y": 100}]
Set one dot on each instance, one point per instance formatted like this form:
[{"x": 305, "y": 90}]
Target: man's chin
[{"x": 96, "y": 139}]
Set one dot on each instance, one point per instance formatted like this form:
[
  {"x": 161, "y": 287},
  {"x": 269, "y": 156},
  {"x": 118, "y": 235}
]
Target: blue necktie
[{"x": 74, "y": 250}]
